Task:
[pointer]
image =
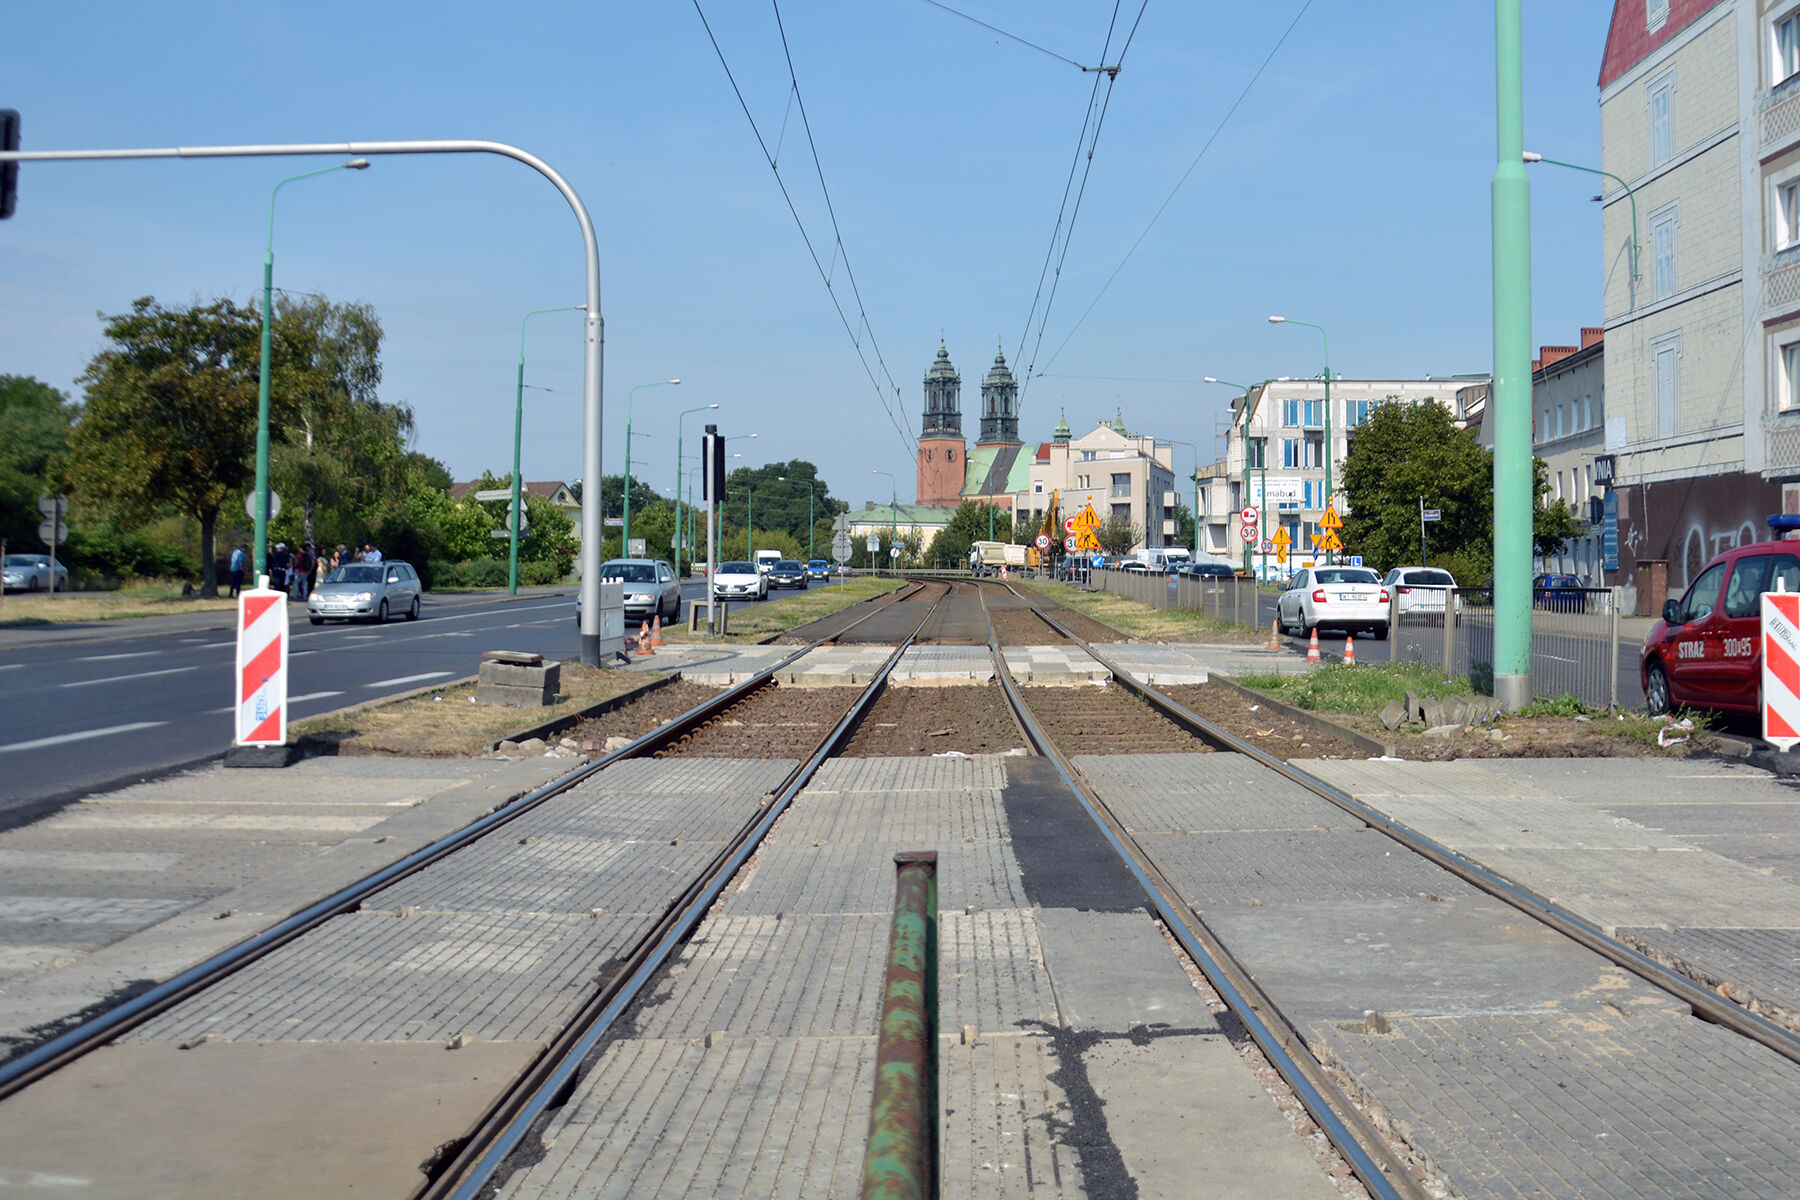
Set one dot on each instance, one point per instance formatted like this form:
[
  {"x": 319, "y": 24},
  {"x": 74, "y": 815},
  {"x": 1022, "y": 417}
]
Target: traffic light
[{"x": 9, "y": 171}]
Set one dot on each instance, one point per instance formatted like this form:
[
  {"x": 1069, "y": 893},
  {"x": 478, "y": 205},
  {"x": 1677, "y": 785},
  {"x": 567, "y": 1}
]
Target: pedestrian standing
[
  {"x": 278, "y": 567},
  {"x": 303, "y": 571},
  {"x": 319, "y": 572},
  {"x": 237, "y": 570},
  {"x": 339, "y": 557},
  {"x": 370, "y": 554}
]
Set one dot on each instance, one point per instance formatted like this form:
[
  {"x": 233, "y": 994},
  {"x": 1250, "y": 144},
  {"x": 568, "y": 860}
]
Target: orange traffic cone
[
  {"x": 1275, "y": 634},
  {"x": 1349, "y": 649},
  {"x": 1312, "y": 649},
  {"x": 645, "y": 650},
  {"x": 656, "y": 631}
]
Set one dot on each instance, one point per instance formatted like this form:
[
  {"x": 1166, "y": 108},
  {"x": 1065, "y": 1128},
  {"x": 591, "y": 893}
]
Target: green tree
[
  {"x": 34, "y": 427},
  {"x": 1118, "y": 534},
  {"x": 782, "y": 497},
  {"x": 969, "y": 524},
  {"x": 170, "y": 415}
]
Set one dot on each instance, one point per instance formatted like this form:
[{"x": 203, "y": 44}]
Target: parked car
[
  {"x": 1346, "y": 598},
  {"x": 787, "y": 573},
  {"x": 1419, "y": 589},
  {"x": 739, "y": 581},
  {"x": 1132, "y": 565},
  {"x": 1706, "y": 650},
  {"x": 817, "y": 568},
  {"x": 34, "y": 572},
  {"x": 1558, "y": 593},
  {"x": 1208, "y": 570},
  {"x": 650, "y": 586},
  {"x": 366, "y": 592}
]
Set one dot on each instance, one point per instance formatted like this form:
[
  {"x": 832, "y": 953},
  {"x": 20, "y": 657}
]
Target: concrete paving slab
[
  {"x": 912, "y": 818},
  {"x": 1053, "y": 665},
  {"x": 746, "y": 1116},
  {"x": 1255, "y": 868},
  {"x": 942, "y": 665},
  {"x": 1004, "y": 1121},
  {"x": 550, "y": 874},
  {"x": 715, "y": 666},
  {"x": 1651, "y": 1105},
  {"x": 859, "y": 878},
  {"x": 1669, "y": 887},
  {"x": 992, "y": 974},
  {"x": 1115, "y": 972},
  {"x": 949, "y": 774},
  {"x": 836, "y": 666},
  {"x": 329, "y": 1129},
  {"x": 1199, "y": 792},
  {"x": 1167, "y": 664}
]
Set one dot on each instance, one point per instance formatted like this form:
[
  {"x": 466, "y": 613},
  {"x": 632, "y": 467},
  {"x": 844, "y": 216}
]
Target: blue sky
[{"x": 1350, "y": 188}]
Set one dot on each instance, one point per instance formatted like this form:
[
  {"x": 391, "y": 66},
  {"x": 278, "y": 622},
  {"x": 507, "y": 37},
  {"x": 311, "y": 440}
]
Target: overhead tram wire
[
  {"x": 906, "y": 437},
  {"x": 1180, "y": 183},
  {"x": 1068, "y": 234},
  {"x": 1011, "y": 36}
]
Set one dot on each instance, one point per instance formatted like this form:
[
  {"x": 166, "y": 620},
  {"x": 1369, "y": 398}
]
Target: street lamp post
[
  {"x": 809, "y": 510},
  {"x": 260, "y": 538},
  {"x": 518, "y": 499},
  {"x": 1631, "y": 300},
  {"x": 679, "y": 479},
  {"x": 625, "y": 538},
  {"x": 1196, "y": 450},
  {"x": 1328, "y": 447},
  {"x": 894, "y": 515},
  {"x": 1262, "y": 510}
]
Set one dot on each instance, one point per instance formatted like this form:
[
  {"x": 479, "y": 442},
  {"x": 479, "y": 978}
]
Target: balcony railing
[
  {"x": 1781, "y": 445},
  {"x": 1778, "y": 114},
  {"x": 1781, "y": 280}
]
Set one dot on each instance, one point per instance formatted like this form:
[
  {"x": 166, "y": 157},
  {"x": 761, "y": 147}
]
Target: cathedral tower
[
  {"x": 999, "y": 405},
  {"x": 940, "y": 479}
]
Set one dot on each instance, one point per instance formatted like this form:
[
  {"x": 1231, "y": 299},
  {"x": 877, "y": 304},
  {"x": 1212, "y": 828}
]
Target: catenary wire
[
  {"x": 1217, "y": 129},
  {"x": 906, "y": 438},
  {"x": 1010, "y": 36}
]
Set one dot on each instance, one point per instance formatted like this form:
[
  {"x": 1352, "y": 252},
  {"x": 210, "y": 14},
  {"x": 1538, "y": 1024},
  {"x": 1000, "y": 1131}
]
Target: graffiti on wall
[{"x": 1686, "y": 522}]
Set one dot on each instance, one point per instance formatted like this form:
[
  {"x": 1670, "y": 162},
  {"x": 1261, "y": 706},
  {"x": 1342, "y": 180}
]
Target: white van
[{"x": 767, "y": 558}]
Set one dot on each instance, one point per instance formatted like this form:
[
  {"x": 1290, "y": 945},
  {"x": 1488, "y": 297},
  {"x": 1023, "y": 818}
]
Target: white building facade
[{"x": 1121, "y": 474}]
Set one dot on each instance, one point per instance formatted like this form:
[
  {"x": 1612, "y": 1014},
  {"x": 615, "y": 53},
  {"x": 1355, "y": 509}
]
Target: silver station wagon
[{"x": 366, "y": 592}]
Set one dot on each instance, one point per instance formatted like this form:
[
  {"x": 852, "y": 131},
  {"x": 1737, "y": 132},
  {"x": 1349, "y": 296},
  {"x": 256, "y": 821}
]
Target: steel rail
[
  {"x": 469, "y": 1173},
  {"x": 1706, "y": 1003},
  {"x": 1261, "y": 1018},
  {"x": 27, "y": 1068}
]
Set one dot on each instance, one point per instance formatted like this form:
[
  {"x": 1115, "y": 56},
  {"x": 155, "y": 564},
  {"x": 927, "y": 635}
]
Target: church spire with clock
[{"x": 940, "y": 478}]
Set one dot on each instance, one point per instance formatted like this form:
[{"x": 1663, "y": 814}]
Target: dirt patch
[
  {"x": 634, "y": 720},
  {"x": 447, "y": 723},
  {"x": 1107, "y": 720},
  {"x": 1601, "y": 736},
  {"x": 968, "y": 719},
  {"x": 772, "y": 722},
  {"x": 1022, "y": 627},
  {"x": 1081, "y": 625},
  {"x": 1261, "y": 726}
]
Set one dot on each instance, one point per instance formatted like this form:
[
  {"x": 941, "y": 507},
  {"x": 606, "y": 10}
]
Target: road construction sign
[
  {"x": 1330, "y": 541},
  {"x": 1780, "y": 668},
  {"x": 1282, "y": 538},
  {"x": 1331, "y": 520},
  {"x": 1087, "y": 518}
]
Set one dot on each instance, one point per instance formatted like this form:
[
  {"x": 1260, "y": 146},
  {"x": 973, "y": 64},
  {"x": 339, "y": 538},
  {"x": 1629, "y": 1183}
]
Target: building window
[
  {"x": 1121, "y": 486},
  {"x": 1787, "y": 48},
  {"x": 1121, "y": 512},
  {"x": 1037, "y": 487},
  {"x": 1314, "y": 491},
  {"x": 1356, "y": 412},
  {"x": 1290, "y": 414},
  {"x": 1789, "y": 384},
  {"x": 1315, "y": 452},
  {"x": 1665, "y": 381},
  {"x": 1661, "y": 101},
  {"x": 1081, "y": 481},
  {"x": 1254, "y": 451},
  {"x": 1787, "y": 209},
  {"x": 1290, "y": 452},
  {"x": 1655, "y": 13},
  {"x": 1559, "y": 420},
  {"x": 1663, "y": 224}
]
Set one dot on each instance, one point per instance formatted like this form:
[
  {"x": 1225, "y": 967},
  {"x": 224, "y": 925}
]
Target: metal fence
[
  {"x": 1574, "y": 640},
  {"x": 1229, "y": 599}
]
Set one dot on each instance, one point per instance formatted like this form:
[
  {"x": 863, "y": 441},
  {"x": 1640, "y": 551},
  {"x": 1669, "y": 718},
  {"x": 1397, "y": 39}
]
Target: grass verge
[
  {"x": 751, "y": 621},
  {"x": 148, "y": 600},
  {"x": 445, "y": 722},
  {"x": 1144, "y": 623}
]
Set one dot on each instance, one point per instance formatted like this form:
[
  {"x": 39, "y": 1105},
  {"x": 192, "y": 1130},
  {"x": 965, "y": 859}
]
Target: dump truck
[{"x": 988, "y": 558}]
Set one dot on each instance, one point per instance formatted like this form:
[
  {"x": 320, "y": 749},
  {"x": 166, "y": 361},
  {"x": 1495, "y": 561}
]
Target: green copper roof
[
  {"x": 942, "y": 369},
  {"x": 1119, "y": 422},
  {"x": 1061, "y": 432}
]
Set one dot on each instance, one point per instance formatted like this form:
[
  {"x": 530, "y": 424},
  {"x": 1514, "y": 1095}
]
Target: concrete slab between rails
[
  {"x": 714, "y": 666},
  {"x": 1053, "y": 665},
  {"x": 836, "y": 666},
  {"x": 344, "y": 1120},
  {"x": 228, "y": 884},
  {"x": 935, "y": 666}
]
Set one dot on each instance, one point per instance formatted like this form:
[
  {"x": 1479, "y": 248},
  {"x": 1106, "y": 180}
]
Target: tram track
[{"x": 1287, "y": 1049}]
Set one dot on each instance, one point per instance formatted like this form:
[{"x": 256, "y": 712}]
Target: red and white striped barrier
[
  {"x": 262, "y": 662},
  {"x": 1781, "y": 668}
]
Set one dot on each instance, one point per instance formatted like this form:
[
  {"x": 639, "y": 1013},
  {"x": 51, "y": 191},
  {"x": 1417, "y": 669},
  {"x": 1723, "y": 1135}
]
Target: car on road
[
  {"x": 787, "y": 572},
  {"x": 366, "y": 592},
  {"x": 1132, "y": 565},
  {"x": 34, "y": 572},
  {"x": 818, "y": 568},
  {"x": 1206, "y": 570},
  {"x": 1558, "y": 593},
  {"x": 650, "y": 586},
  {"x": 1350, "y": 599},
  {"x": 740, "y": 581},
  {"x": 1706, "y": 650},
  {"x": 1419, "y": 589}
]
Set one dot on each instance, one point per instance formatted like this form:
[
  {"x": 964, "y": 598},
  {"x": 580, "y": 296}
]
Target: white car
[
  {"x": 740, "y": 581},
  {"x": 33, "y": 573},
  {"x": 1419, "y": 589},
  {"x": 1346, "y": 598}
]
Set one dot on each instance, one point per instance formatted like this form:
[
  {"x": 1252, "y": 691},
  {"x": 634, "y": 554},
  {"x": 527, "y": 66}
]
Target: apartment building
[
  {"x": 1275, "y": 456},
  {"x": 1700, "y": 304},
  {"x": 1568, "y": 402},
  {"x": 1122, "y": 474}
]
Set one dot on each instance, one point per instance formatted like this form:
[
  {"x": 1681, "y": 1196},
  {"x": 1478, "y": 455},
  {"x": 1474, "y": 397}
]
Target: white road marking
[
  {"x": 10, "y": 666},
  {"x": 111, "y": 657},
  {"x": 292, "y": 700},
  {"x": 408, "y": 679},
  {"x": 59, "y": 739},
  {"x": 81, "y": 860},
  {"x": 123, "y": 678}
]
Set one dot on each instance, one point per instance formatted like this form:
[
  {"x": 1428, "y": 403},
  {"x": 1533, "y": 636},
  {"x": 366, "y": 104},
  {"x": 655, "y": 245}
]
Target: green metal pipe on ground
[{"x": 900, "y": 1162}]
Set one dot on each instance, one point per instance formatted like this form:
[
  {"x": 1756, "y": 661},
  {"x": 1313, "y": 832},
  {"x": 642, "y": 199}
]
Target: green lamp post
[
  {"x": 1196, "y": 450},
  {"x": 518, "y": 500},
  {"x": 1328, "y": 448},
  {"x": 679, "y": 479},
  {"x": 1528, "y": 157},
  {"x": 259, "y": 542},
  {"x": 625, "y": 537}
]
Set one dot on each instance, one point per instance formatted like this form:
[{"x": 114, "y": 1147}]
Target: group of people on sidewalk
[{"x": 298, "y": 571}]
